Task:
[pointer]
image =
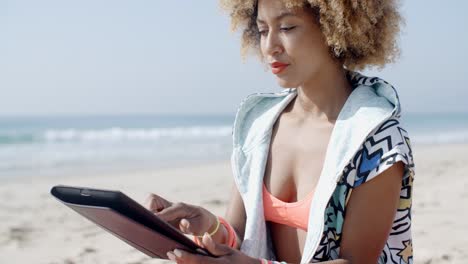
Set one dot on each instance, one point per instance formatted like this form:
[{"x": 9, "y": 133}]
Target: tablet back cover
[
  {"x": 151, "y": 242},
  {"x": 139, "y": 236}
]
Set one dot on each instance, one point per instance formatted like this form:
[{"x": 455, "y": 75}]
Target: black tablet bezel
[{"x": 124, "y": 205}]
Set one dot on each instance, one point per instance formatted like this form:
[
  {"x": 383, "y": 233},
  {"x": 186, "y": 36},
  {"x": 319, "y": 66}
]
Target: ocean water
[
  {"x": 37, "y": 146},
  {"x": 74, "y": 144}
]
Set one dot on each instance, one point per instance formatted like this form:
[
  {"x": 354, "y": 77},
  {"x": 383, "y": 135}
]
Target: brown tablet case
[{"x": 126, "y": 219}]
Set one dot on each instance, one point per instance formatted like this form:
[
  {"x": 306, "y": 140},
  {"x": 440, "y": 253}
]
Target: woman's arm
[
  {"x": 369, "y": 218},
  {"x": 235, "y": 215},
  {"x": 235, "y": 212}
]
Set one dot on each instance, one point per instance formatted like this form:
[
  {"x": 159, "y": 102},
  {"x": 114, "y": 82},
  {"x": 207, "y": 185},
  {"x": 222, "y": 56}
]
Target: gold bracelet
[{"x": 215, "y": 230}]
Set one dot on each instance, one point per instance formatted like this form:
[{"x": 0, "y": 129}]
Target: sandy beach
[{"x": 36, "y": 228}]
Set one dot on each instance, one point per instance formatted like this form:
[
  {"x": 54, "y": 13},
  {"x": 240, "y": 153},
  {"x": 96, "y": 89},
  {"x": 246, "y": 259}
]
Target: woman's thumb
[{"x": 184, "y": 226}]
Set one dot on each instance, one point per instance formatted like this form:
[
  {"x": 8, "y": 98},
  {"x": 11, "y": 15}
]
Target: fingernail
[
  {"x": 178, "y": 253},
  {"x": 170, "y": 255}
]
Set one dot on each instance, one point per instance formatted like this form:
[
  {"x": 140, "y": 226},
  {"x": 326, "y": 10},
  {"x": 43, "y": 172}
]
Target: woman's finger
[
  {"x": 156, "y": 203},
  {"x": 174, "y": 212},
  {"x": 182, "y": 256},
  {"x": 154, "y": 206},
  {"x": 184, "y": 226},
  {"x": 215, "y": 248}
]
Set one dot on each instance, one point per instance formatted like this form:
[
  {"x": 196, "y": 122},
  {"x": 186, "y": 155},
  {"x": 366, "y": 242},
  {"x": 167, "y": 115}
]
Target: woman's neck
[{"x": 323, "y": 96}]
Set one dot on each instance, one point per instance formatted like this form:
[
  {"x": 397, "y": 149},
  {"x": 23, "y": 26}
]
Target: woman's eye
[
  {"x": 287, "y": 28},
  {"x": 263, "y": 32}
]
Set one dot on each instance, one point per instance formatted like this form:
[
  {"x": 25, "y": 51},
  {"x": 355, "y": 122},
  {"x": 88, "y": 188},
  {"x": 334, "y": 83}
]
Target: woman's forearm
[{"x": 220, "y": 237}]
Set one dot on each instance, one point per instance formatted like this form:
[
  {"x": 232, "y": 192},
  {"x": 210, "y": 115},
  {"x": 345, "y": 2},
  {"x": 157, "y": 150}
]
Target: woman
[{"x": 306, "y": 160}]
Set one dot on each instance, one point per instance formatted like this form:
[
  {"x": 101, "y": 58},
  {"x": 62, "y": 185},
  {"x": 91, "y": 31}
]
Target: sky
[{"x": 61, "y": 57}]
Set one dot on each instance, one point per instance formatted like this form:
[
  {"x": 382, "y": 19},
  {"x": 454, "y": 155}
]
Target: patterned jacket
[{"x": 367, "y": 138}]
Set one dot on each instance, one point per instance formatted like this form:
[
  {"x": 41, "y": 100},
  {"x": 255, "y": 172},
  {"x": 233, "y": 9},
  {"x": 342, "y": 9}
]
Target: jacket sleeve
[{"x": 385, "y": 145}]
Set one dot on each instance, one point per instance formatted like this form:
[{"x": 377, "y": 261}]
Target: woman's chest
[
  {"x": 293, "y": 167},
  {"x": 295, "y": 161},
  {"x": 288, "y": 242}
]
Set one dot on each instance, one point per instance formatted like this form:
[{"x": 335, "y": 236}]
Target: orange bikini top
[{"x": 294, "y": 214}]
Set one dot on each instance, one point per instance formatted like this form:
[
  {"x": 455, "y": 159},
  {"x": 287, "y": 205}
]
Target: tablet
[{"x": 126, "y": 219}]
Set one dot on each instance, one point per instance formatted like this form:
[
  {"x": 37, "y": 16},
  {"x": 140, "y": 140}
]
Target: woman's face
[{"x": 291, "y": 43}]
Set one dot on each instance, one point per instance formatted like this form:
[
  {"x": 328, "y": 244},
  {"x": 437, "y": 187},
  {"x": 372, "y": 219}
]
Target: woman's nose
[{"x": 273, "y": 44}]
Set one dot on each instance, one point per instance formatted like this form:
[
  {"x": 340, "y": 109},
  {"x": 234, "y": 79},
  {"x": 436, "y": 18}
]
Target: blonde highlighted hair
[{"x": 360, "y": 33}]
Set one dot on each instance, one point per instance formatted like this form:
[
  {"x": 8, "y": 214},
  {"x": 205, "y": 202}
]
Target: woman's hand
[
  {"x": 189, "y": 219},
  {"x": 224, "y": 254}
]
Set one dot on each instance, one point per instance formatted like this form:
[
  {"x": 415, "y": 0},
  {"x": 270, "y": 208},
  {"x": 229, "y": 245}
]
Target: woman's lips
[{"x": 278, "y": 67}]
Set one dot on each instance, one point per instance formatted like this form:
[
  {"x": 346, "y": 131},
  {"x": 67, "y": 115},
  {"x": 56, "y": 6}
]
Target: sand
[{"x": 36, "y": 228}]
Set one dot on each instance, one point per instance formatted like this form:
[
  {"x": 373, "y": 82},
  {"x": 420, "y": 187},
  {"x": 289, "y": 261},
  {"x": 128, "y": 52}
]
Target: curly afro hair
[{"x": 360, "y": 33}]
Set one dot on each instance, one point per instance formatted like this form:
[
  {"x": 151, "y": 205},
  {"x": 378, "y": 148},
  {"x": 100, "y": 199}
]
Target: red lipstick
[{"x": 277, "y": 67}]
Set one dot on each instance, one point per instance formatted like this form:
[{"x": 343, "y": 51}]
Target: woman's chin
[{"x": 286, "y": 83}]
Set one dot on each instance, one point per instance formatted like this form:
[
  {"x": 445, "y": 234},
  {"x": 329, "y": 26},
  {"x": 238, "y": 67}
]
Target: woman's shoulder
[
  {"x": 386, "y": 145},
  {"x": 255, "y": 111},
  {"x": 250, "y": 100}
]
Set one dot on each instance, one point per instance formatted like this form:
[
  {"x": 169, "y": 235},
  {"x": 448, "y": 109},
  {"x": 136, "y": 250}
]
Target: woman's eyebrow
[{"x": 279, "y": 17}]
